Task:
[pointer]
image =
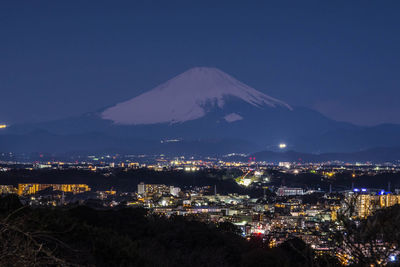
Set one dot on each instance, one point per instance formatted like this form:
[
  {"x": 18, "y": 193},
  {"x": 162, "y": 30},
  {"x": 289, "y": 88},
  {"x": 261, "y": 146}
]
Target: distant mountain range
[
  {"x": 376, "y": 155},
  {"x": 204, "y": 110}
]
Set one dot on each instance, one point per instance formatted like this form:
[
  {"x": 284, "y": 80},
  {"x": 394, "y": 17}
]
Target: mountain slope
[
  {"x": 206, "y": 110},
  {"x": 187, "y": 97},
  {"x": 375, "y": 155}
]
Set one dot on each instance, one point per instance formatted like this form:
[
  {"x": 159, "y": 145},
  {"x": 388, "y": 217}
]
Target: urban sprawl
[{"x": 279, "y": 213}]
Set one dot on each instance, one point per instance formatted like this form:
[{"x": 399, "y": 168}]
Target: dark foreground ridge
[{"x": 84, "y": 236}]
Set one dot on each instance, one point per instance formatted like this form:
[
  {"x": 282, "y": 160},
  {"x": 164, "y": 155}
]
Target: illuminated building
[
  {"x": 285, "y": 164},
  {"x": 174, "y": 190},
  {"x": 7, "y": 189},
  {"x": 110, "y": 192},
  {"x": 151, "y": 189},
  {"x": 365, "y": 203},
  {"x": 29, "y": 189},
  {"x": 141, "y": 188},
  {"x": 387, "y": 200},
  {"x": 72, "y": 188},
  {"x": 133, "y": 165},
  {"x": 288, "y": 191},
  {"x": 334, "y": 212}
]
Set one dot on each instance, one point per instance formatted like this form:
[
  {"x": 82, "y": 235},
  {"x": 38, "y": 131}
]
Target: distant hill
[{"x": 376, "y": 155}]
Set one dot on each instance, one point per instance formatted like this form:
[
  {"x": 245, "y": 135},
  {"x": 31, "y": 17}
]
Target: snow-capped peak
[
  {"x": 233, "y": 117},
  {"x": 183, "y": 98}
]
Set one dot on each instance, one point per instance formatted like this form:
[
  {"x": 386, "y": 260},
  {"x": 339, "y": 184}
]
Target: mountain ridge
[
  {"x": 187, "y": 97},
  {"x": 226, "y": 110}
]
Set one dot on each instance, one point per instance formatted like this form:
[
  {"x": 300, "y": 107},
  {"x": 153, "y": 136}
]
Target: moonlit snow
[
  {"x": 184, "y": 97},
  {"x": 233, "y": 117}
]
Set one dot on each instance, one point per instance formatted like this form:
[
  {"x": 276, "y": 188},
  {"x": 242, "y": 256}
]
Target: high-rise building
[
  {"x": 141, "y": 188},
  {"x": 29, "y": 189},
  {"x": 150, "y": 189},
  {"x": 174, "y": 190},
  {"x": 365, "y": 203},
  {"x": 7, "y": 189}
]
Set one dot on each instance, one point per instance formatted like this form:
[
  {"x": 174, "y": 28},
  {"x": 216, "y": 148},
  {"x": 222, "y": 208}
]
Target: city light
[
  {"x": 3, "y": 126},
  {"x": 282, "y": 145},
  {"x": 246, "y": 182},
  {"x": 208, "y": 205}
]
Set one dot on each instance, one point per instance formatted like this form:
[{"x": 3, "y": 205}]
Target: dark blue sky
[{"x": 63, "y": 58}]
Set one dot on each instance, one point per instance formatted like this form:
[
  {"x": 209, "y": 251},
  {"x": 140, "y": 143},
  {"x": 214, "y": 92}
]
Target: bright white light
[
  {"x": 246, "y": 182},
  {"x": 282, "y": 145},
  {"x": 257, "y": 173}
]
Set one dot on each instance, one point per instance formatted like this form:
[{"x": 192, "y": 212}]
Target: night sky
[{"x": 64, "y": 58}]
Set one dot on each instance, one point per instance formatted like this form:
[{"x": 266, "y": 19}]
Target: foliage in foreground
[{"x": 82, "y": 236}]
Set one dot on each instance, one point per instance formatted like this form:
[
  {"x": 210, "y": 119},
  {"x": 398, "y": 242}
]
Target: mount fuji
[
  {"x": 189, "y": 96},
  {"x": 202, "y": 110}
]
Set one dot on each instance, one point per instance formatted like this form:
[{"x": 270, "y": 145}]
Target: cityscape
[
  {"x": 262, "y": 200},
  {"x": 199, "y": 133}
]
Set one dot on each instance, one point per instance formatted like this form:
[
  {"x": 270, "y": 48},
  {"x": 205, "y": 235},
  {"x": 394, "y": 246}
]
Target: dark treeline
[{"x": 84, "y": 236}]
